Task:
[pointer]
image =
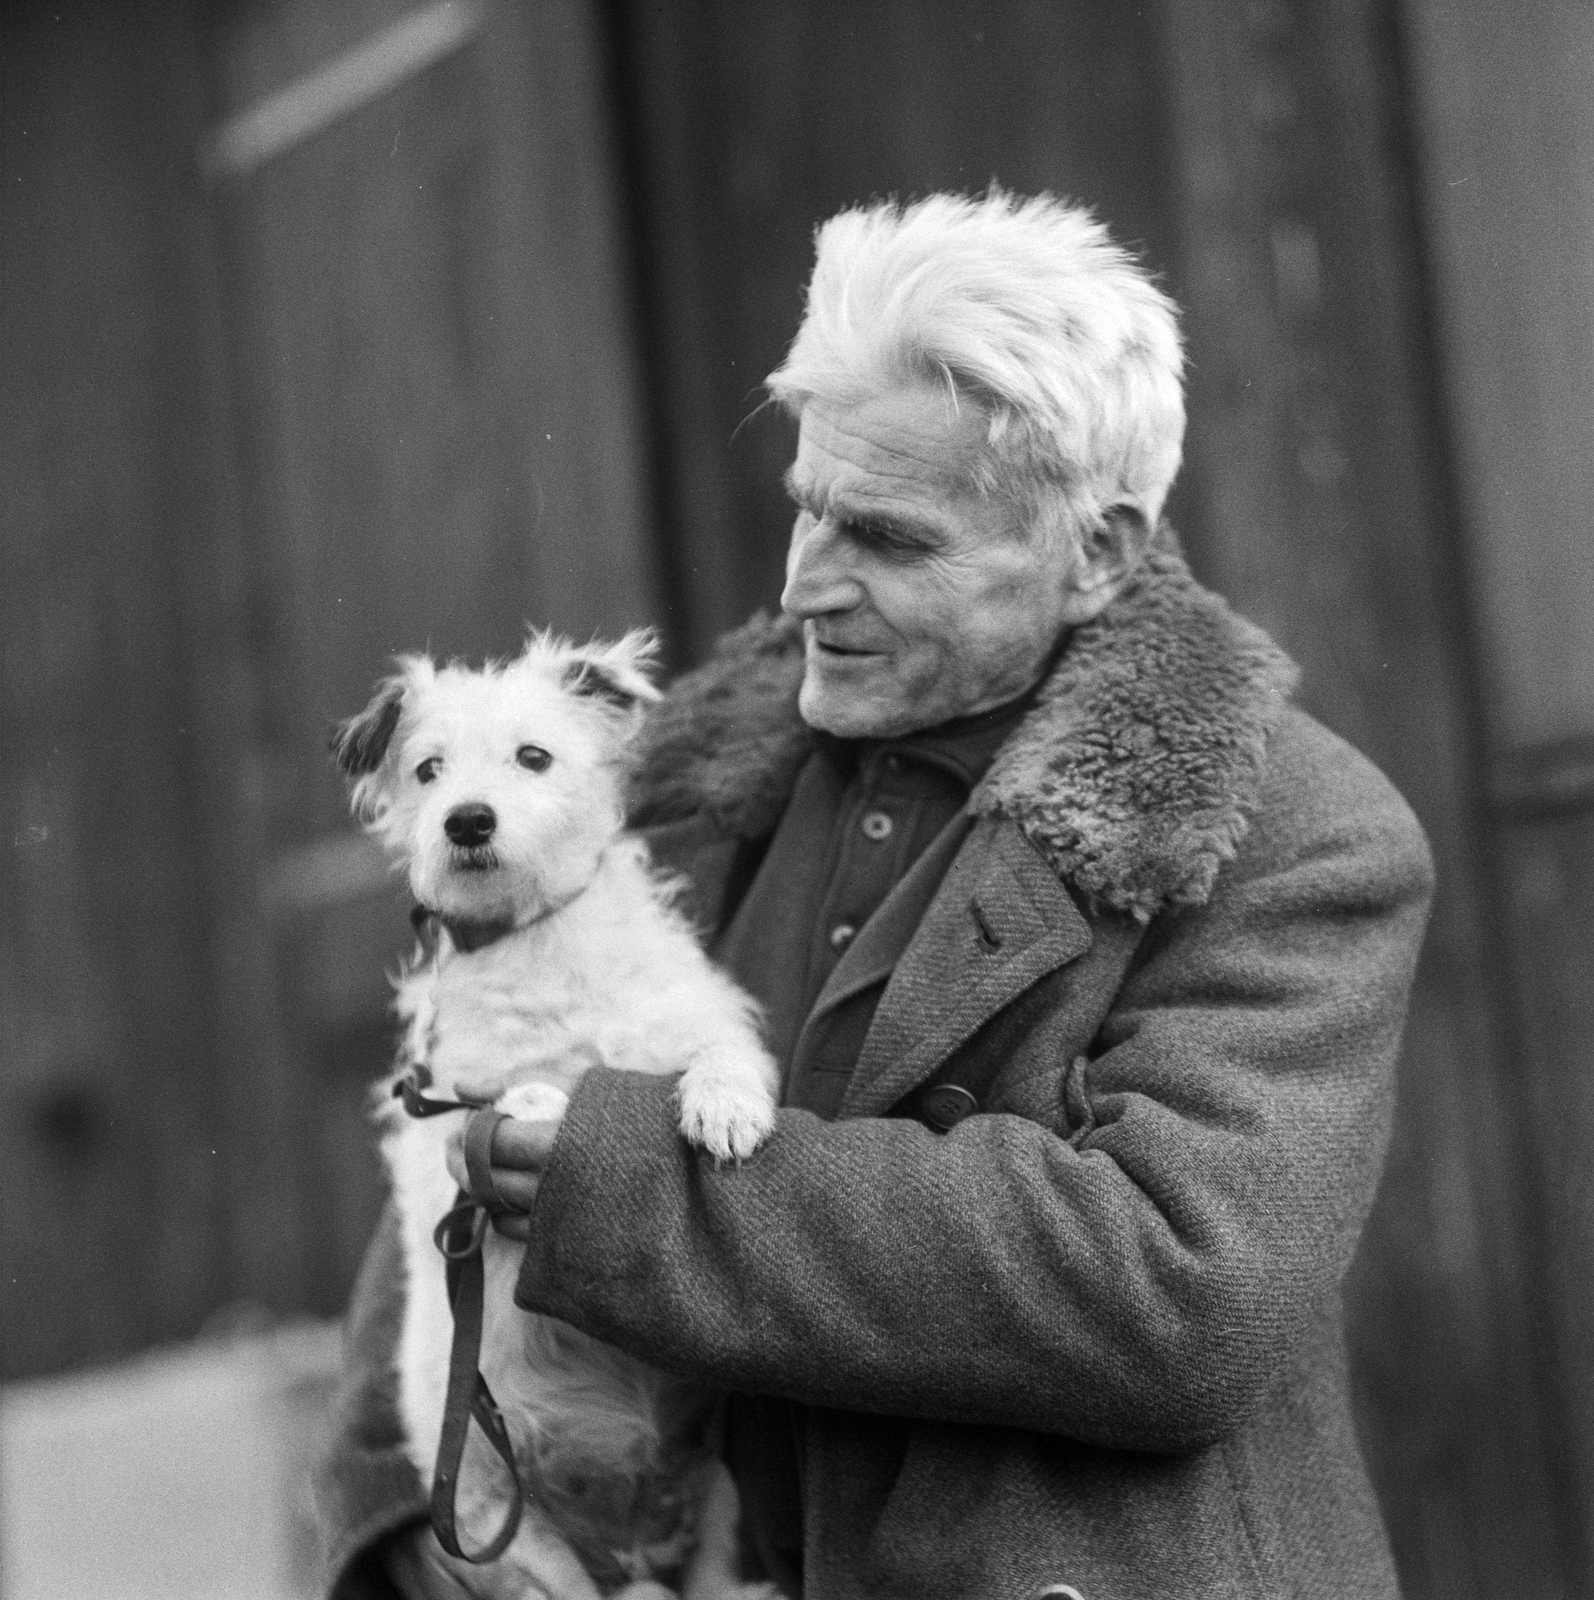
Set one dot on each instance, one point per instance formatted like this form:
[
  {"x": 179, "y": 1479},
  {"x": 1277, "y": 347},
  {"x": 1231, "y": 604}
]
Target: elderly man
[{"x": 1085, "y": 956}]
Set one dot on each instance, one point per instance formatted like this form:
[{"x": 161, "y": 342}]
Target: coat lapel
[
  {"x": 1129, "y": 784},
  {"x": 1000, "y": 921},
  {"x": 874, "y": 954}
]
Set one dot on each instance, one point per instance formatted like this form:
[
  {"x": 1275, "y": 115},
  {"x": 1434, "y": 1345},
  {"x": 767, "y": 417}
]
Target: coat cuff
[{"x": 619, "y": 1149}]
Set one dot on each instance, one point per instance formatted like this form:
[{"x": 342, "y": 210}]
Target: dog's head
[{"x": 498, "y": 790}]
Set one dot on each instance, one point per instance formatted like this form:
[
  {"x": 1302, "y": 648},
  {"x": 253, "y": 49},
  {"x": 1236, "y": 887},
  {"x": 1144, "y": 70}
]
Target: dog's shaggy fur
[{"x": 499, "y": 792}]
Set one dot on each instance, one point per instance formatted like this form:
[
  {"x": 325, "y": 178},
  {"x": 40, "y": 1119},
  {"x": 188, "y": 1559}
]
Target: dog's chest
[{"x": 524, "y": 1007}]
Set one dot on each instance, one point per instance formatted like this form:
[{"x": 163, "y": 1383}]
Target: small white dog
[{"x": 499, "y": 792}]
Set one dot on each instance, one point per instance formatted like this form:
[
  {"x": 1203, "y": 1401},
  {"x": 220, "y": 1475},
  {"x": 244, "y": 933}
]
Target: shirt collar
[{"x": 964, "y": 747}]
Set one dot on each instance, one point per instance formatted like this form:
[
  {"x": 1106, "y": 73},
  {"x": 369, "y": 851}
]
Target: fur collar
[{"x": 1133, "y": 773}]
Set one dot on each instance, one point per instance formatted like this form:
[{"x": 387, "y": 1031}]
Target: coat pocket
[{"x": 997, "y": 1512}]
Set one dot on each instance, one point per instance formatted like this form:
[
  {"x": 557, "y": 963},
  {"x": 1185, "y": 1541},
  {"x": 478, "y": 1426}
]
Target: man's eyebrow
[{"x": 895, "y": 521}]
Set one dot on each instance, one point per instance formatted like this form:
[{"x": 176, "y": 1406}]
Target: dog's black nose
[{"x": 470, "y": 825}]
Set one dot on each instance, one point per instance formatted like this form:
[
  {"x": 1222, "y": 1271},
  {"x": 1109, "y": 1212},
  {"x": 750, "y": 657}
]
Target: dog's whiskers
[{"x": 478, "y": 858}]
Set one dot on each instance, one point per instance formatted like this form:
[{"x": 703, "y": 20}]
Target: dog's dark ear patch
[
  {"x": 582, "y": 676},
  {"x": 359, "y": 743}
]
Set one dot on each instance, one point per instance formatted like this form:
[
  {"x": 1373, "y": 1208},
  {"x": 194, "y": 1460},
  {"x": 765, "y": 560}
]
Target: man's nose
[{"x": 819, "y": 578}]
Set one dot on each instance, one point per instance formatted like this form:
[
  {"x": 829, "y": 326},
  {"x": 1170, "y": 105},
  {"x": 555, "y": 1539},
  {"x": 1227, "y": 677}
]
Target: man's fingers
[
  {"x": 481, "y": 1090},
  {"x": 513, "y": 1225},
  {"x": 520, "y": 1152},
  {"x": 523, "y": 1145},
  {"x": 517, "y": 1189}
]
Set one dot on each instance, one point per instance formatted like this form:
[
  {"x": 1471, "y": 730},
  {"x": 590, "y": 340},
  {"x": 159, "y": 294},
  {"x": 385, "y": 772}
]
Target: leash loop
[
  {"x": 469, "y": 1396},
  {"x": 459, "y": 1237},
  {"x": 474, "y": 1219}
]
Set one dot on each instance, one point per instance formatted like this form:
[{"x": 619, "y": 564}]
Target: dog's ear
[
  {"x": 359, "y": 743},
  {"x": 620, "y": 673}
]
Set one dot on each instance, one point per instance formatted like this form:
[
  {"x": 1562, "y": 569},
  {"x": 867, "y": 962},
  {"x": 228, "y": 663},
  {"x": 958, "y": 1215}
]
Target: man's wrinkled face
[{"x": 921, "y": 598}]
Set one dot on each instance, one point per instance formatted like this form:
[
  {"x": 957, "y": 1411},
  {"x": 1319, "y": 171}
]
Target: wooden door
[
  {"x": 1504, "y": 113},
  {"x": 117, "y": 1219},
  {"x": 1318, "y": 447},
  {"x": 442, "y": 437},
  {"x": 318, "y": 346}
]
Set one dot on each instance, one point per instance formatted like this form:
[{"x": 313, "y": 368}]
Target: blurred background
[{"x": 331, "y": 330}]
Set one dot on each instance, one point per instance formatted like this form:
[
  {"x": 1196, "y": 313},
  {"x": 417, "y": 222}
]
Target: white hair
[{"x": 1024, "y": 307}]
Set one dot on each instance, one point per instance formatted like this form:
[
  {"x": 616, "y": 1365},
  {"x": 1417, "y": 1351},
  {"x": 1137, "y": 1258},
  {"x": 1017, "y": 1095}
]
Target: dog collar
[{"x": 466, "y": 936}]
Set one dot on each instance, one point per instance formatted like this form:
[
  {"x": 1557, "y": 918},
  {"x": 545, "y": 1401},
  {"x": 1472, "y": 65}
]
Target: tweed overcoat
[{"x": 1090, "y": 1336}]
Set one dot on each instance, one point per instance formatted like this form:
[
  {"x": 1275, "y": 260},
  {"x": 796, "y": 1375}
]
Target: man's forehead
[{"x": 921, "y": 437}]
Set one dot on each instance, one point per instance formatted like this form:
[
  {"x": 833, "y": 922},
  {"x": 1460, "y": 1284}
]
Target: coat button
[
  {"x": 842, "y": 935},
  {"x": 944, "y": 1105},
  {"x": 877, "y": 826},
  {"x": 1057, "y": 1591}
]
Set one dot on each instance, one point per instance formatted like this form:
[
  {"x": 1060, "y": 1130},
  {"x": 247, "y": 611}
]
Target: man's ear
[
  {"x": 621, "y": 674},
  {"x": 1111, "y": 548}
]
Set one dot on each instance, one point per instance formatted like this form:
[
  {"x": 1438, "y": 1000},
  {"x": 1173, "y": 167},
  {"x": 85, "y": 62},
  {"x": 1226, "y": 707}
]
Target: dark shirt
[{"x": 862, "y": 815}]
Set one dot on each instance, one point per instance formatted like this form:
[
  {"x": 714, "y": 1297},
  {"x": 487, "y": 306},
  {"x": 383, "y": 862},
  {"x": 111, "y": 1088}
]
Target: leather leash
[{"x": 459, "y": 1237}]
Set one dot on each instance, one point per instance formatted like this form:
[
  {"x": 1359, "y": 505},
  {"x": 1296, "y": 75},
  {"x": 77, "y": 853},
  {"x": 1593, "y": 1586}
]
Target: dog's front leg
[{"x": 727, "y": 1099}]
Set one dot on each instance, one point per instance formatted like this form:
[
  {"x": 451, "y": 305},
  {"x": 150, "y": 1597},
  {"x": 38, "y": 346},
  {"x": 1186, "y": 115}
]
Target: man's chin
[{"x": 850, "y": 712}]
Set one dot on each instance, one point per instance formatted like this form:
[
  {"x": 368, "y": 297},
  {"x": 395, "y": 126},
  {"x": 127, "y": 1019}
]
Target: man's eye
[
  {"x": 428, "y": 769},
  {"x": 880, "y": 536},
  {"x": 533, "y": 757}
]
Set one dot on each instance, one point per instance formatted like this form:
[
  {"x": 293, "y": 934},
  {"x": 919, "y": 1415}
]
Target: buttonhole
[{"x": 987, "y": 937}]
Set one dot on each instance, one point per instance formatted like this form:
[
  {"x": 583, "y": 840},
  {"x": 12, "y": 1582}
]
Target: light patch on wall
[{"x": 247, "y": 141}]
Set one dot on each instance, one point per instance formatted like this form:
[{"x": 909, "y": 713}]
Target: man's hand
[{"x": 521, "y": 1149}]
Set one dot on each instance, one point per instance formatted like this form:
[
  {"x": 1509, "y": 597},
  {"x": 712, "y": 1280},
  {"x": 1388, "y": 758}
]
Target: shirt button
[
  {"x": 877, "y": 826},
  {"x": 842, "y": 935}
]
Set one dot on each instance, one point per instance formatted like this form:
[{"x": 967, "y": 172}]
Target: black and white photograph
[{"x": 799, "y": 800}]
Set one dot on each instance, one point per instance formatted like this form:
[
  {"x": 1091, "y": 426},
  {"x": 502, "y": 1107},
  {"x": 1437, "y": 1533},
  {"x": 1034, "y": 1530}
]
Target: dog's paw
[
  {"x": 730, "y": 1118},
  {"x": 533, "y": 1102}
]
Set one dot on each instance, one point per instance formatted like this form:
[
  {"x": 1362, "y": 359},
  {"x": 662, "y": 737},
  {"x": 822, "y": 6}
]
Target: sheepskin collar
[{"x": 1132, "y": 774}]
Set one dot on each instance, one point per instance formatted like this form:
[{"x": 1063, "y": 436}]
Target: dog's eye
[
  {"x": 533, "y": 757},
  {"x": 428, "y": 769}
]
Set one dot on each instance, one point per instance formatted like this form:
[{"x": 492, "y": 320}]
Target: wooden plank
[
  {"x": 114, "y": 1213},
  {"x": 1314, "y": 448},
  {"x": 1505, "y": 107},
  {"x": 1551, "y": 875},
  {"x": 1506, "y": 185},
  {"x": 443, "y": 438},
  {"x": 440, "y": 393},
  {"x": 1547, "y": 780}
]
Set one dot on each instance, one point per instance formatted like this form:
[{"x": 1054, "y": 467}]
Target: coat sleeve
[
  {"x": 1134, "y": 1274},
  {"x": 365, "y": 1487}
]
